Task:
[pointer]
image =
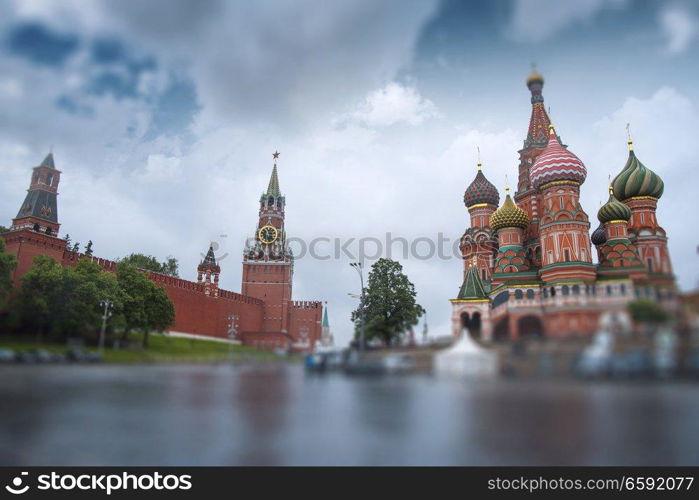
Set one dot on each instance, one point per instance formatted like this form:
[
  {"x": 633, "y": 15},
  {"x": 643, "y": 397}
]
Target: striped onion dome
[
  {"x": 599, "y": 236},
  {"x": 613, "y": 210},
  {"x": 509, "y": 215},
  {"x": 481, "y": 190},
  {"x": 556, "y": 163},
  {"x": 637, "y": 180}
]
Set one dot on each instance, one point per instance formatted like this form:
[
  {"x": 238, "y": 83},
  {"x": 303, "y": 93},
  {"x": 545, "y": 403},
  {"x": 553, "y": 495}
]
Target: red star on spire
[{"x": 275, "y": 155}]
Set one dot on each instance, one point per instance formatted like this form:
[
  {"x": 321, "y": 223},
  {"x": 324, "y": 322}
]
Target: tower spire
[
  {"x": 628, "y": 136},
  {"x": 273, "y": 186}
]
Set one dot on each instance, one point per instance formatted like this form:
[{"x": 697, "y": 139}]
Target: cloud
[
  {"x": 680, "y": 28},
  {"x": 539, "y": 20},
  {"x": 392, "y": 104},
  {"x": 40, "y": 44}
]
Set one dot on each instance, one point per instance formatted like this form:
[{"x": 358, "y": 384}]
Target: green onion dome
[
  {"x": 480, "y": 191},
  {"x": 613, "y": 210},
  {"x": 509, "y": 215},
  {"x": 637, "y": 180},
  {"x": 599, "y": 236}
]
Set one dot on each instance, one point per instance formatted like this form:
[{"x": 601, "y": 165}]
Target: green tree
[
  {"x": 88, "y": 248},
  {"x": 160, "y": 312},
  {"x": 65, "y": 301},
  {"x": 3, "y": 229},
  {"x": 171, "y": 266},
  {"x": 388, "y": 307},
  {"x": 150, "y": 263},
  {"x": 39, "y": 300},
  {"x": 647, "y": 311},
  {"x": 8, "y": 263},
  {"x": 145, "y": 306},
  {"x": 84, "y": 287}
]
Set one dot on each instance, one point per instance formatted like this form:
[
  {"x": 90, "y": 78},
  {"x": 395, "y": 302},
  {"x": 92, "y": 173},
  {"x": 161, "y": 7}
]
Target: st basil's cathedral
[{"x": 528, "y": 263}]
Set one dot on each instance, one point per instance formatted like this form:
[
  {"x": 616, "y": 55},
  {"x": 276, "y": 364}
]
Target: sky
[{"x": 163, "y": 116}]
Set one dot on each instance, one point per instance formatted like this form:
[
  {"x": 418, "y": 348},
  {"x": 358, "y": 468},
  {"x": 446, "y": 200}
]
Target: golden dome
[
  {"x": 509, "y": 215},
  {"x": 535, "y": 77}
]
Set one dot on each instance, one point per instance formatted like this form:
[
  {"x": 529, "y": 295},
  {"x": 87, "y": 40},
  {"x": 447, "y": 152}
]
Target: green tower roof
[
  {"x": 472, "y": 287},
  {"x": 273, "y": 187},
  {"x": 326, "y": 323}
]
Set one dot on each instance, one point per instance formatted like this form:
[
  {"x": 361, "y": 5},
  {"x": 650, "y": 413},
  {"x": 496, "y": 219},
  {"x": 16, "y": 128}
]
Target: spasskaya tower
[{"x": 268, "y": 263}]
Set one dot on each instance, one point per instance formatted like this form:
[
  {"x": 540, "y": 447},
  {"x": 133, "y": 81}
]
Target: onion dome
[
  {"x": 599, "y": 236},
  {"x": 509, "y": 215},
  {"x": 480, "y": 191},
  {"x": 556, "y": 163},
  {"x": 534, "y": 77},
  {"x": 613, "y": 210},
  {"x": 637, "y": 180}
]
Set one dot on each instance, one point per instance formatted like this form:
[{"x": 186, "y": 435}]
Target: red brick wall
[{"x": 194, "y": 311}]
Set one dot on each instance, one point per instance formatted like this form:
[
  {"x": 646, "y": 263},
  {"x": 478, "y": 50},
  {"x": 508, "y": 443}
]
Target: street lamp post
[
  {"x": 107, "y": 306},
  {"x": 232, "y": 333},
  {"x": 359, "y": 267}
]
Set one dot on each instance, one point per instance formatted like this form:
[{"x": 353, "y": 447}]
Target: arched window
[
  {"x": 565, "y": 290},
  {"x": 530, "y": 294},
  {"x": 36, "y": 227},
  {"x": 48, "y": 230},
  {"x": 576, "y": 289},
  {"x": 519, "y": 294},
  {"x": 553, "y": 291},
  {"x": 545, "y": 291},
  {"x": 609, "y": 289},
  {"x": 622, "y": 288}
]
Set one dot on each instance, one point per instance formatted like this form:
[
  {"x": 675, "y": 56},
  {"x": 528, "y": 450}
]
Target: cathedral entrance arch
[{"x": 530, "y": 327}]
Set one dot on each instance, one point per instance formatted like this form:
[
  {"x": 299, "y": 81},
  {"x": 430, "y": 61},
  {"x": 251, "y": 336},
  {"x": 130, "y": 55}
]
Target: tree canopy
[
  {"x": 647, "y": 311},
  {"x": 149, "y": 263},
  {"x": 145, "y": 306},
  {"x": 63, "y": 301},
  {"x": 8, "y": 262},
  {"x": 388, "y": 308},
  {"x": 3, "y": 229}
]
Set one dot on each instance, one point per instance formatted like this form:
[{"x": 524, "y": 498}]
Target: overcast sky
[{"x": 163, "y": 116}]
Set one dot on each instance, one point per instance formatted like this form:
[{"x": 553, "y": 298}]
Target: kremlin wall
[{"x": 265, "y": 316}]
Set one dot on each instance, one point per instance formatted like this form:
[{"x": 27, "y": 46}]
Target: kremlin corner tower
[{"x": 528, "y": 263}]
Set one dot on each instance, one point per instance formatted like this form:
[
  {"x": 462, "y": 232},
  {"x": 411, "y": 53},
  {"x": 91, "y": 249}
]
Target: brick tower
[
  {"x": 564, "y": 226},
  {"x": 526, "y": 196},
  {"x": 39, "y": 212},
  {"x": 268, "y": 263},
  {"x": 640, "y": 189},
  {"x": 479, "y": 241},
  {"x": 208, "y": 272}
]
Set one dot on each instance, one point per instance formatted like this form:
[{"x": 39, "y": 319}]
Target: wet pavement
[{"x": 267, "y": 415}]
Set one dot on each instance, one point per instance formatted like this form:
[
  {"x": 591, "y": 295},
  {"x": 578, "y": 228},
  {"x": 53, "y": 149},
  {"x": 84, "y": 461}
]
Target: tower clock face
[{"x": 268, "y": 234}]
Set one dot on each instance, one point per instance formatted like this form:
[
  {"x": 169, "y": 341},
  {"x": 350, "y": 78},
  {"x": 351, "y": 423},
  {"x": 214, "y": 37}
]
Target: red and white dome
[{"x": 556, "y": 163}]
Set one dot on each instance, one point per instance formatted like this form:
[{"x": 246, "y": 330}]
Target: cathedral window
[
  {"x": 565, "y": 290},
  {"x": 622, "y": 289},
  {"x": 576, "y": 289},
  {"x": 609, "y": 289},
  {"x": 519, "y": 294},
  {"x": 553, "y": 291},
  {"x": 650, "y": 265},
  {"x": 530, "y": 294},
  {"x": 566, "y": 252}
]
